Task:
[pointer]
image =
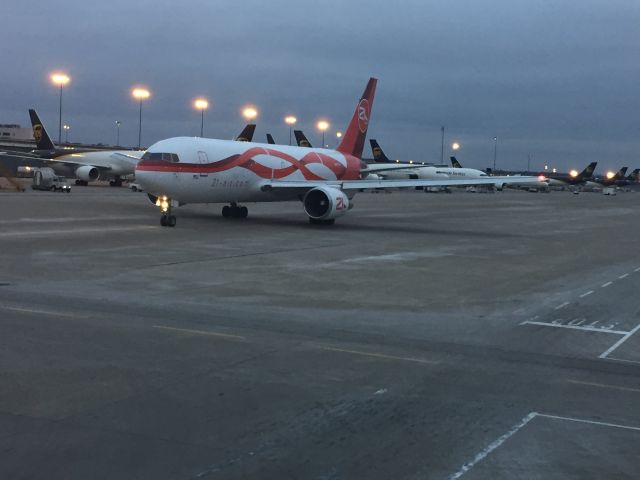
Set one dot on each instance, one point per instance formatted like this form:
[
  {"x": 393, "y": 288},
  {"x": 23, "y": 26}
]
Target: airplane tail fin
[
  {"x": 455, "y": 163},
  {"x": 378, "y": 154},
  {"x": 301, "y": 140},
  {"x": 246, "y": 135},
  {"x": 587, "y": 173},
  {"x": 634, "y": 176},
  {"x": 353, "y": 140},
  {"x": 621, "y": 173},
  {"x": 270, "y": 139},
  {"x": 43, "y": 141}
]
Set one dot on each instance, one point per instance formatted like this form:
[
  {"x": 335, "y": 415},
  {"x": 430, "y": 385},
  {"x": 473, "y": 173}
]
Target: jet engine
[
  {"x": 87, "y": 173},
  {"x": 325, "y": 204}
]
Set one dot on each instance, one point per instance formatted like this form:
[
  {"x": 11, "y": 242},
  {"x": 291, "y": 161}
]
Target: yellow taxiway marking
[
  {"x": 379, "y": 355},
  {"x": 604, "y": 385},
  {"x": 200, "y": 332}
]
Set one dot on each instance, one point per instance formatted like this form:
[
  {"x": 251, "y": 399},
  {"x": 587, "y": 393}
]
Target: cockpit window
[{"x": 166, "y": 157}]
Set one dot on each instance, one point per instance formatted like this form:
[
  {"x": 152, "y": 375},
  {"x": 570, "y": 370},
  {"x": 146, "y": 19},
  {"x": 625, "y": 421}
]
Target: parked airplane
[
  {"x": 572, "y": 178},
  {"x": 611, "y": 179},
  {"x": 84, "y": 164},
  {"x": 430, "y": 172},
  {"x": 184, "y": 170}
]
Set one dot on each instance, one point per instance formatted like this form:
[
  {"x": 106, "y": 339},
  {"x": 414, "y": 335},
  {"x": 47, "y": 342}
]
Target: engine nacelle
[
  {"x": 87, "y": 173},
  {"x": 499, "y": 186},
  {"x": 325, "y": 203}
]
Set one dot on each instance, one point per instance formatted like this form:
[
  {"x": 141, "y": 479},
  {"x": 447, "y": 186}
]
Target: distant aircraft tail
[
  {"x": 378, "y": 154},
  {"x": 587, "y": 173},
  {"x": 621, "y": 173},
  {"x": 634, "y": 176},
  {"x": 301, "y": 140},
  {"x": 43, "y": 141},
  {"x": 455, "y": 163},
  {"x": 246, "y": 135},
  {"x": 270, "y": 139},
  {"x": 353, "y": 140}
]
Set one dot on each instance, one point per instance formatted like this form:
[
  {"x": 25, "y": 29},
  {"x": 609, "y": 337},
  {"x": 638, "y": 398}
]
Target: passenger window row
[{"x": 166, "y": 157}]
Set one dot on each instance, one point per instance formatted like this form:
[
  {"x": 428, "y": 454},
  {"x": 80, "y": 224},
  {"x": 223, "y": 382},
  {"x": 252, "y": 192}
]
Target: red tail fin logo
[{"x": 363, "y": 115}]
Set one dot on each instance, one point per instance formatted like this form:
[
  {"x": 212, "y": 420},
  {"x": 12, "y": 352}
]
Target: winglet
[
  {"x": 353, "y": 141},
  {"x": 43, "y": 141}
]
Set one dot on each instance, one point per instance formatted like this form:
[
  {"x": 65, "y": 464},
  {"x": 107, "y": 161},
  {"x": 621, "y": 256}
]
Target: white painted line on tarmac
[
  {"x": 74, "y": 231},
  {"x": 378, "y": 355},
  {"x": 620, "y": 342},
  {"x": 42, "y": 312},
  {"x": 590, "y": 422},
  {"x": 604, "y": 385},
  {"x": 586, "y": 294},
  {"x": 605, "y": 285},
  {"x": 200, "y": 332},
  {"x": 575, "y": 327},
  {"x": 635, "y": 362},
  {"x": 636, "y": 269},
  {"x": 625, "y": 275},
  {"x": 103, "y": 218},
  {"x": 495, "y": 444},
  {"x": 562, "y": 305}
]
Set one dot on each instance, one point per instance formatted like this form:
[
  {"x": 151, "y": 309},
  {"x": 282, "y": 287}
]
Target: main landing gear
[
  {"x": 83, "y": 183},
  {"x": 167, "y": 219},
  {"x": 116, "y": 182},
  {"x": 234, "y": 211}
]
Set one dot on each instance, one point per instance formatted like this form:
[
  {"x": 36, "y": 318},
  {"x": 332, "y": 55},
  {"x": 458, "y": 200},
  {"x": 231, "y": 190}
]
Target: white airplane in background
[{"x": 185, "y": 170}]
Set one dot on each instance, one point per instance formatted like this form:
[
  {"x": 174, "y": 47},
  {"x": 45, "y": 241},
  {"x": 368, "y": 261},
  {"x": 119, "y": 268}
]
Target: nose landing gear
[
  {"x": 167, "y": 219},
  {"x": 234, "y": 211}
]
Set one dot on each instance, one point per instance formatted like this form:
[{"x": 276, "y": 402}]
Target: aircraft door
[{"x": 203, "y": 160}]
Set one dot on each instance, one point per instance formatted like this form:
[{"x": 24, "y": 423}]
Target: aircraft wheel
[
  {"x": 226, "y": 211},
  {"x": 112, "y": 183},
  {"x": 244, "y": 212},
  {"x": 163, "y": 220}
]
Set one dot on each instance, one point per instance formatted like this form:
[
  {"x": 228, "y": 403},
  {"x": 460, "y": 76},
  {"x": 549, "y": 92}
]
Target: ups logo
[
  {"x": 304, "y": 143},
  {"x": 377, "y": 152},
  {"x": 37, "y": 132}
]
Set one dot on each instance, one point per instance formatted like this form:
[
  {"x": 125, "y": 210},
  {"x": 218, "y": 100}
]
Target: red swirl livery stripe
[{"x": 246, "y": 160}]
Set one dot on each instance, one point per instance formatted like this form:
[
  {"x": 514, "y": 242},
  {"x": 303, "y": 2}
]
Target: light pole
[
  {"x": 66, "y": 132},
  {"x": 118, "y": 123},
  {"x": 323, "y": 125},
  {"x": 495, "y": 152},
  {"x": 201, "y": 104},
  {"x": 291, "y": 121},
  {"x": 60, "y": 79},
  {"x": 140, "y": 94},
  {"x": 442, "y": 145}
]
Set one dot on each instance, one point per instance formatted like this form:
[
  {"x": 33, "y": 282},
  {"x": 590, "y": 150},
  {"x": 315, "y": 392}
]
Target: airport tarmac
[{"x": 423, "y": 336}]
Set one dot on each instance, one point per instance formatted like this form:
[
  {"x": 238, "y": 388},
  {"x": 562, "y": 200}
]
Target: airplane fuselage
[{"x": 200, "y": 170}]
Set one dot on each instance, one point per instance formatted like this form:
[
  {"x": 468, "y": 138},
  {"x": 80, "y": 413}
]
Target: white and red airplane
[{"x": 185, "y": 170}]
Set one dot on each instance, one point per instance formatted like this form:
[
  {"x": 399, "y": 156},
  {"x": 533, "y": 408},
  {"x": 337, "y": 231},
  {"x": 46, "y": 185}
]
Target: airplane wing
[
  {"x": 274, "y": 185},
  {"x": 386, "y": 167}
]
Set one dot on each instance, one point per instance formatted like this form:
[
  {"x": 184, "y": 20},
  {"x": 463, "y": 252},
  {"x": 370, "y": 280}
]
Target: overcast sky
[{"x": 556, "y": 80}]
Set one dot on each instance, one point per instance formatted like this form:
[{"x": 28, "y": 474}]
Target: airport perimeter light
[
  {"x": 140, "y": 94},
  {"x": 118, "y": 123},
  {"x": 291, "y": 121},
  {"x": 455, "y": 146},
  {"x": 495, "y": 152},
  {"x": 60, "y": 79},
  {"x": 250, "y": 112},
  {"x": 201, "y": 104},
  {"x": 66, "y": 132},
  {"x": 323, "y": 125}
]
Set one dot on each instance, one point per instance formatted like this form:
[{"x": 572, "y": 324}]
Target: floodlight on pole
[
  {"x": 66, "y": 129},
  {"x": 60, "y": 79},
  {"x": 201, "y": 104},
  {"x": 140, "y": 94},
  {"x": 323, "y": 125},
  {"x": 250, "y": 112},
  {"x": 291, "y": 121},
  {"x": 455, "y": 146}
]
